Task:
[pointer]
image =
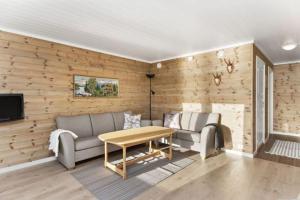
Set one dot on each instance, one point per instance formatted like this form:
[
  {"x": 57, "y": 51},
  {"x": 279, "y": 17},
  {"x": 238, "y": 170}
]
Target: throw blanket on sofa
[
  {"x": 54, "y": 139},
  {"x": 219, "y": 139}
]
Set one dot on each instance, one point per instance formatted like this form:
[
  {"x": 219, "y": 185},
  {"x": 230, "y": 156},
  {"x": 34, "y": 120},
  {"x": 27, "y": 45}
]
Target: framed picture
[{"x": 87, "y": 86}]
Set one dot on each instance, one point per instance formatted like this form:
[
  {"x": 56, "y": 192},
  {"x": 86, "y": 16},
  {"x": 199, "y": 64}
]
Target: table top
[{"x": 135, "y": 136}]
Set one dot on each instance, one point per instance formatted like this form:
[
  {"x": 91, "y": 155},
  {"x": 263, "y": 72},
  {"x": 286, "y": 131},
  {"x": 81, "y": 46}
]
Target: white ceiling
[{"x": 152, "y": 30}]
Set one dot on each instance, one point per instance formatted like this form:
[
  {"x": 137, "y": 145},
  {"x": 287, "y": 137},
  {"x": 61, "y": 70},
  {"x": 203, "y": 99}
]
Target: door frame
[
  {"x": 270, "y": 100},
  {"x": 264, "y": 105}
]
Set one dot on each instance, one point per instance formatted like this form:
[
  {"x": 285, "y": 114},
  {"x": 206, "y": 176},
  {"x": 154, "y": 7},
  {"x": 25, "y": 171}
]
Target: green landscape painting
[{"x": 85, "y": 86}]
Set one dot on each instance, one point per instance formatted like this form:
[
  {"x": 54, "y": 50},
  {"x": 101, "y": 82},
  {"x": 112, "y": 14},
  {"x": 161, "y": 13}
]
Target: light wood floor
[{"x": 219, "y": 177}]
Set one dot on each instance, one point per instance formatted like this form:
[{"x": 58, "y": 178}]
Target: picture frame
[{"x": 91, "y": 86}]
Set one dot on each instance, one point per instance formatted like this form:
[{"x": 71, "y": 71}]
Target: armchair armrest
[
  {"x": 66, "y": 153},
  {"x": 207, "y": 141}
]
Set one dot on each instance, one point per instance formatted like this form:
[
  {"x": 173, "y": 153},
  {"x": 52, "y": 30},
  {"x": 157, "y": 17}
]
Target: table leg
[
  {"x": 170, "y": 148},
  {"x": 105, "y": 154},
  {"x": 150, "y": 146},
  {"x": 124, "y": 164}
]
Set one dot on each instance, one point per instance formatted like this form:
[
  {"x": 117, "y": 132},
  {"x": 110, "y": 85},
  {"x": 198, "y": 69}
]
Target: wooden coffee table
[{"x": 132, "y": 137}]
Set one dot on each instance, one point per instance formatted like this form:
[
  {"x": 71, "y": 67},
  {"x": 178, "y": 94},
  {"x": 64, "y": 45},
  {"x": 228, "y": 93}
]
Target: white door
[{"x": 260, "y": 102}]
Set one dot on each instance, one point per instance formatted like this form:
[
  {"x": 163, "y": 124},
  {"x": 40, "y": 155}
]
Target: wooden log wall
[
  {"x": 181, "y": 84},
  {"x": 44, "y": 71},
  {"x": 286, "y": 98}
]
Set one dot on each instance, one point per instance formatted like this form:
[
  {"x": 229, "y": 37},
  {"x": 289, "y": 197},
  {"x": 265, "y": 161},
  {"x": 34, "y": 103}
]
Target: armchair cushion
[
  {"x": 185, "y": 120},
  {"x": 190, "y": 136},
  {"x": 198, "y": 121},
  {"x": 213, "y": 118}
]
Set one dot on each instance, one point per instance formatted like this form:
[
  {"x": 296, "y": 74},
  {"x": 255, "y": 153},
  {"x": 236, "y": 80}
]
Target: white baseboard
[
  {"x": 26, "y": 165},
  {"x": 239, "y": 153},
  {"x": 283, "y": 133}
]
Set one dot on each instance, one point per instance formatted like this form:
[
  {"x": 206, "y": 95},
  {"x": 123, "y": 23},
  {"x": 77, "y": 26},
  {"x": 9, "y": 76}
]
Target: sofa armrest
[
  {"x": 66, "y": 153},
  {"x": 207, "y": 141}
]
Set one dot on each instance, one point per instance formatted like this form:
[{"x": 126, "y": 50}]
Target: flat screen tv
[{"x": 11, "y": 107}]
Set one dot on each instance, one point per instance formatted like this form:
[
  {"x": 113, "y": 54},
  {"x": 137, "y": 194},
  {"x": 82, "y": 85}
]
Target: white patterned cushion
[
  {"x": 132, "y": 121},
  {"x": 172, "y": 120}
]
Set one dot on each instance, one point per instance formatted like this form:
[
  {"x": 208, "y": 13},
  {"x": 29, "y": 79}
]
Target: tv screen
[{"x": 11, "y": 107}]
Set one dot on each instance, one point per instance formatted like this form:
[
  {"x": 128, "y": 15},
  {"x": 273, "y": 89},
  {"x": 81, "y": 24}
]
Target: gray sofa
[
  {"x": 87, "y": 128},
  {"x": 197, "y": 132}
]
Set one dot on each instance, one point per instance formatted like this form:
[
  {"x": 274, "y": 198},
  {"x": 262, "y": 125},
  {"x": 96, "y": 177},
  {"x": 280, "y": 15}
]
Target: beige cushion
[{"x": 87, "y": 142}]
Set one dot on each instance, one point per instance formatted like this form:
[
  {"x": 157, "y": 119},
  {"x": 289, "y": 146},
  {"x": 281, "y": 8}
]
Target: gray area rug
[
  {"x": 107, "y": 185},
  {"x": 285, "y": 148}
]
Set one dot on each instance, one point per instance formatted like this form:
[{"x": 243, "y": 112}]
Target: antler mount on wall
[
  {"x": 229, "y": 65},
  {"x": 217, "y": 78}
]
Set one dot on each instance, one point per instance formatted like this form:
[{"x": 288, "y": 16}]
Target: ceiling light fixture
[
  {"x": 220, "y": 54},
  {"x": 158, "y": 65},
  {"x": 190, "y": 58},
  {"x": 288, "y": 46}
]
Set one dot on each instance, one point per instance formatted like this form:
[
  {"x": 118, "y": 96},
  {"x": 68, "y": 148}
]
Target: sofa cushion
[
  {"x": 87, "y": 142},
  {"x": 102, "y": 123},
  {"x": 185, "y": 120},
  {"x": 80, "y": 125},
  {"x": 172, "y": 120},
  {"x": 190, "y": 136},
  {"x": 213, "y": 118},
  {"x": 119, "y": 119},
  {"x": 146, "y": 123},
  {"x": 132, "y": 121},
  {"x": 198, "y": 121}
]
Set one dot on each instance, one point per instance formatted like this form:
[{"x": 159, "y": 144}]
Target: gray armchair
[{"x": 197, "y": 132}]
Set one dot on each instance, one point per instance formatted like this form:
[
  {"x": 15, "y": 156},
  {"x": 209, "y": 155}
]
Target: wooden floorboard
[
  {"x": 275, "y": 158},
  {"x": 220, "y": 177}
]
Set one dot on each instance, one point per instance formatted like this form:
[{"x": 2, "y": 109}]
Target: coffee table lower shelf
[{"x": 120, "y": 168}]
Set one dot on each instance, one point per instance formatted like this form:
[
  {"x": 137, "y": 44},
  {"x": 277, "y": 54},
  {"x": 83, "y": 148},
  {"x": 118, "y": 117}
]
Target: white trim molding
[
  {"x": 72, "y": 44},
  {"x": 204, "y": 51},
  {"x": 287, "y": 134},
  {"x": 120, "y": 55},
  {"x": 287, "y": 62},
  {"x": 239, "y": 153},
  {"x": 26, "y": 165},
  {"x": 36, "y": 36}
]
